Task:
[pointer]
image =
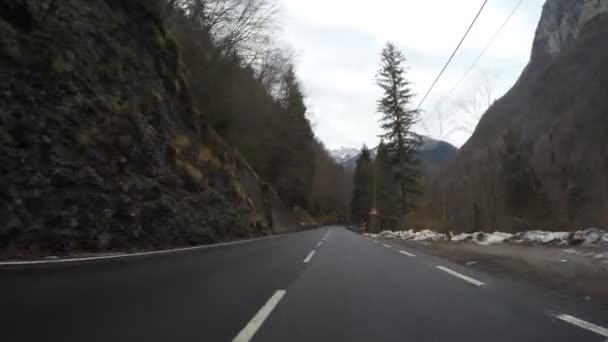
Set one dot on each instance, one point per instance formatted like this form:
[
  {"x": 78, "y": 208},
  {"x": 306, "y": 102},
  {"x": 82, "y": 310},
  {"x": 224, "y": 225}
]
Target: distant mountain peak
[
  {"x": 429, "y": 143},
  {"x": 432, "y": 153},
  {"x": 343, "y": 154}
]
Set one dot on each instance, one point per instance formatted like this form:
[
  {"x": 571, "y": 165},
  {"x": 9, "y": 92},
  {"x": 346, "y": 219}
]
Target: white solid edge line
[
  {"x": 583, "y": 324},
  {"x": 407, "y": 253},
  {"x": 320, "y": 244},
  {"x": 131, "y": 255},
  {"x": 256, "y": 322},
  {"x": 309, "y": 256},
  {"x": 385, "y": 245},
  {"x": 461, "y": 276}
]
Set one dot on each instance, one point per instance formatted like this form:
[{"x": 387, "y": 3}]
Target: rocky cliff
[
  {"x": 101, "y": 146},
  {"x": 561, "y": 24},
  {"x": 538, "y": 157}
]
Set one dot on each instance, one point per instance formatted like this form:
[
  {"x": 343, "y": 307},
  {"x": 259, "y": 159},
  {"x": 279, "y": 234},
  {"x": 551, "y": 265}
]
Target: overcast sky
[{"x": 338, "y": 42}]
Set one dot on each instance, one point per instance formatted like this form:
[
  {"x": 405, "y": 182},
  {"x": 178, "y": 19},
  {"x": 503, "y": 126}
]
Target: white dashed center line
[
  {"x": 309, "y": 256},
  {"x": 326, "y": 236},
  {"x": 385, "y": 245},
  {"x": 320, "y": 244},
  {"x": 375, "y": 241},
  {"x": 407, "y": 253},
  {"x": 256, "y": 322},
  {"x": 461, "y": 276},
  {"x": 583, "y": 324}
]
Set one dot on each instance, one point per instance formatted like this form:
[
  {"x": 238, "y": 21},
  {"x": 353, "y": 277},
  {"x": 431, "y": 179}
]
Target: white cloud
[{"x": 338, "y": 43}]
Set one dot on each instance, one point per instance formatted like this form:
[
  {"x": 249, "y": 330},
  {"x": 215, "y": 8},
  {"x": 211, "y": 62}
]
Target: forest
[{"x": 247, "y": 87}]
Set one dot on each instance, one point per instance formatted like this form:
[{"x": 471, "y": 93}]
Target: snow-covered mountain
[
  {"x": 343, "y": 154},
  {"x": 432, "y": 155}
]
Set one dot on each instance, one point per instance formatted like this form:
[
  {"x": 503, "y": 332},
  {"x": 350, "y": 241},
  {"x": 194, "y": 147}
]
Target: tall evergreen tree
[
  {"x": 387, "y": 194},
  {"x": 295, "y": 159},
  {"x": 292, "y": 96},
  {"x": 361, "y": 202},
  {"x": 397, "y": 121}
]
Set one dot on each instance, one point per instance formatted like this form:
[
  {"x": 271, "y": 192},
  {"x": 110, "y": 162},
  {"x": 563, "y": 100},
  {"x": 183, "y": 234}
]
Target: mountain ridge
[
  {"x": 433, "y": 154},
  {"x": 536, "y": 158}
]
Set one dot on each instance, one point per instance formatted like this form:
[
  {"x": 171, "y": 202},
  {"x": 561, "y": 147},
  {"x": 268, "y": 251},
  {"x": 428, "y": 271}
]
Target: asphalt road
[{"x": 349, "y": 289}]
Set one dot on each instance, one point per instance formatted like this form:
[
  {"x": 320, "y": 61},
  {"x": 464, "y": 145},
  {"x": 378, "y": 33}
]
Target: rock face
[
  {"x": 538, "y": 158},
  {"x": 562, "y": 22},
  {"x": 101, "y": 147}
]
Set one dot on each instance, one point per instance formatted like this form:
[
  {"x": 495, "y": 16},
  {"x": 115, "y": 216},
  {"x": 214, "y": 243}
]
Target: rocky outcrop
[
  {"x": 562, "y": 22},
  {"x": 538, "y": 158},
  {"x": 101, "y": 146}
]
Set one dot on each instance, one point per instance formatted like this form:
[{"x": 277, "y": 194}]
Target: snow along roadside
[{"x": 587, "y": 237}]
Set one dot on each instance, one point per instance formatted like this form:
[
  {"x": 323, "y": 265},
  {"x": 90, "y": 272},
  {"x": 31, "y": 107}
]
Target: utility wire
[
  {"x": 453, "y": 54},
  {"x": 481, "y": 54}
]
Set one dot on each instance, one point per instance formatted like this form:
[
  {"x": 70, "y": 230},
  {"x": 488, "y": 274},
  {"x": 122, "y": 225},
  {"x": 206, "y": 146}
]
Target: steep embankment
[
  {"x": 101, "y": 145},
  {"x": 538, "y": 158}
]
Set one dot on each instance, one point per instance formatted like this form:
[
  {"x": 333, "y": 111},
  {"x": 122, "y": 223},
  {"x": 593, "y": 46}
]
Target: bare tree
[
  {"x": 272, "y": 64},
  {"x": 481, "y": 97},
  {"x": 475, "y": 104},
  {"x": 242, "y": 27}
]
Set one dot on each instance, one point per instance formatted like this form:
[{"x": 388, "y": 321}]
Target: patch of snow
[
  {"x": 461, "y": 237},
  {"x": 483, "y": 238},
  {"x": 423, "y": 235},
  {"x": 429, "y": 235},
  {"x": 590, "y": 236},
  {"x": 496, "y": 238},
  {"x": 343, "y": 154},
  {"x": 587, "y": 237},
  {"x": 541, "y": 237}
]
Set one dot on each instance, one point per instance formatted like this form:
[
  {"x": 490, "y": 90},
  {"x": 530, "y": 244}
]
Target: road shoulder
[{"x": 553, "y": 268}]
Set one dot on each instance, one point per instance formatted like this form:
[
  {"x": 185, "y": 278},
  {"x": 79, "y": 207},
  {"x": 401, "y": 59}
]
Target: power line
[
  {"x": 482, "y": 53},
  {"x": 453, "y": 54}
]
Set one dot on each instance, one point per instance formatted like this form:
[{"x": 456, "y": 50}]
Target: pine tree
[
  {"x": 361, "y": 202},
  {"x": 397, "y": 121},
  {"x": 292, "y": 166},
  {"x": 292, "y": 96},
  {"x": 387, "y": 195}
]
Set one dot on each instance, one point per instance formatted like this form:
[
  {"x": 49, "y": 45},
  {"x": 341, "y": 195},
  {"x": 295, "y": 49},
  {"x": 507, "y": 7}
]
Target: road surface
[{"x": 327, "y": 284}]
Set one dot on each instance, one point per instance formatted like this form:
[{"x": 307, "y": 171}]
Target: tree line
[{"x": 248, "y": 90}]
